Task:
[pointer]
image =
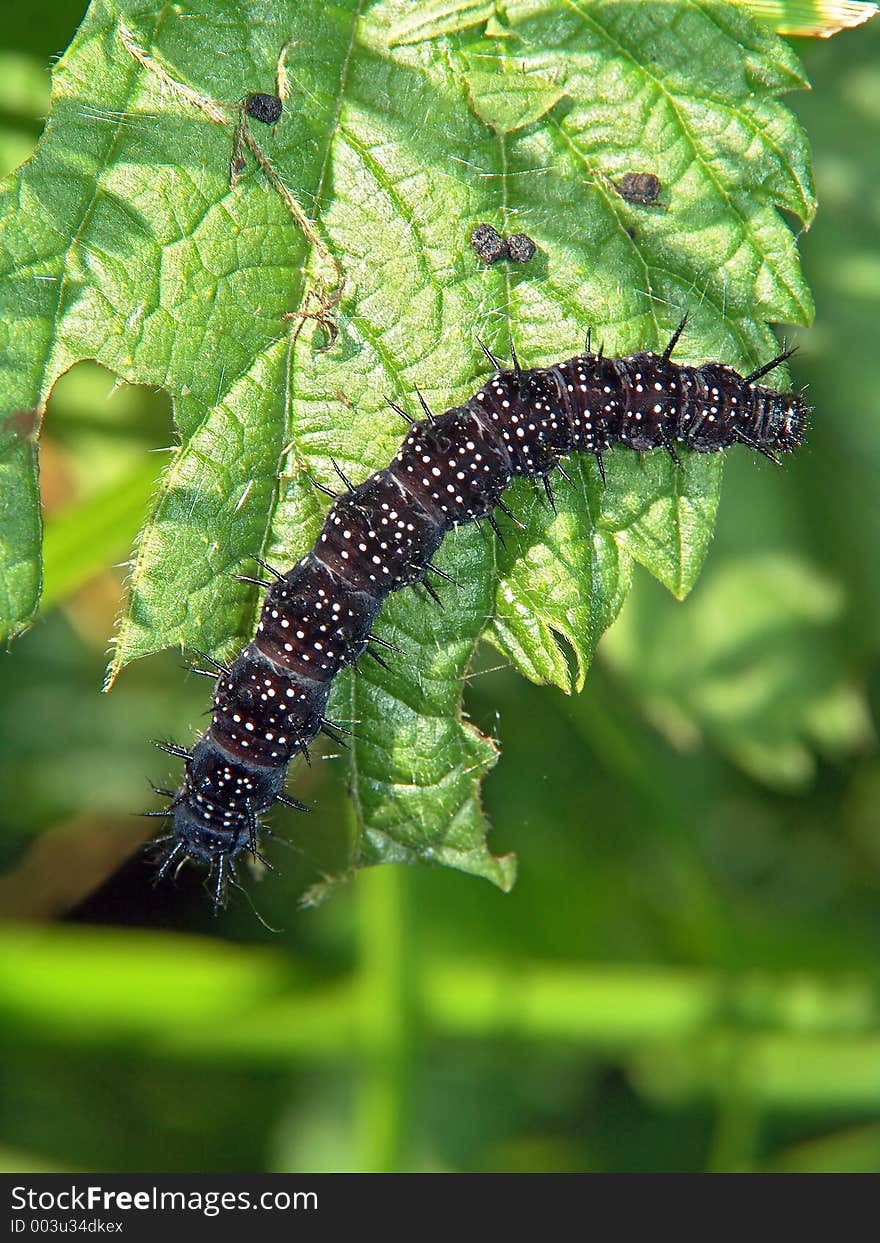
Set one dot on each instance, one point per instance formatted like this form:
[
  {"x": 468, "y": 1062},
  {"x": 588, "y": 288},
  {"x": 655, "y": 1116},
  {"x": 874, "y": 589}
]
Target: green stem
[
  {"x": 385, "y": 1020},
  {"x": 735, "y": 1141}
]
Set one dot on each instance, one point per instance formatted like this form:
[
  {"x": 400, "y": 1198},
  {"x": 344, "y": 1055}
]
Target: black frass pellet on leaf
[
  {"x": 520, "y": 247},
  {"x": 488, "y": 243},
  {"x": 642, "y": 188},
  {"x": 265, "y": 108}
]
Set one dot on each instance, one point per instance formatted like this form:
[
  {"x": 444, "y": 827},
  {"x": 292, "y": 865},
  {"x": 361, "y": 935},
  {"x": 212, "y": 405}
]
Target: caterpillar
[{"x": 380, "y": 536}]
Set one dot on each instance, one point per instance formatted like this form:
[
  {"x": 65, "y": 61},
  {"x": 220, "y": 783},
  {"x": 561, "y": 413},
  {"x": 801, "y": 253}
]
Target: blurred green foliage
[{"x": 685, "y": 976}]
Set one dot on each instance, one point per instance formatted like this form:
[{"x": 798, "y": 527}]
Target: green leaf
[
  {"x": 416, "y": 765},
  {"x": 505, "y": 97},
  {"x": 750, "y": 666},
  {"x": 569, "y": 579},
  {"x": 20, "y": 570},
  {"x": 124, "y": 241}
]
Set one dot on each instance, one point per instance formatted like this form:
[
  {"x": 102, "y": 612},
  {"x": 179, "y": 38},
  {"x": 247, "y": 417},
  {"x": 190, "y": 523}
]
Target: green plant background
[{"x": 684, "y": 976}]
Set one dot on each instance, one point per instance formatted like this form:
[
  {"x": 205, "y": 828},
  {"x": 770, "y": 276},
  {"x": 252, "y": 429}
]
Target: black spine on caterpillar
[{"x": 381, "y": 535}]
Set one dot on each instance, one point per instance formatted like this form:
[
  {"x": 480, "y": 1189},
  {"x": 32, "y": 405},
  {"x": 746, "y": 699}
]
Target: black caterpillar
[{"x": 381, "y": 535}]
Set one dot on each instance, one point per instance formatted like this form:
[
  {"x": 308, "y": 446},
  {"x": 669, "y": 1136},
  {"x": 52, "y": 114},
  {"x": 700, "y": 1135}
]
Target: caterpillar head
[
  {"x": 204, "y": 840},
  {"x": 785, "y": 421},
  {"x": 214, "y": 814}
]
